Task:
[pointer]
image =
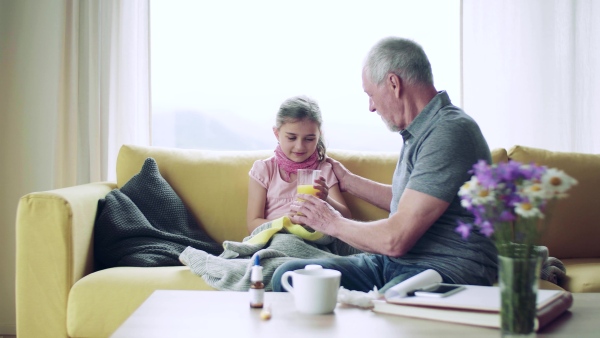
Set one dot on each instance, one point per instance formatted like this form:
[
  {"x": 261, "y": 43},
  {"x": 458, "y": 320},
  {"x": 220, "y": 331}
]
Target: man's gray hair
[{"x": 403, "y": 57}]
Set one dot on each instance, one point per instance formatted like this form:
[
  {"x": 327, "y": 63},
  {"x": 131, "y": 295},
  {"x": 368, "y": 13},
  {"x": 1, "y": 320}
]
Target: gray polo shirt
[{"x": 440, "y": 147}]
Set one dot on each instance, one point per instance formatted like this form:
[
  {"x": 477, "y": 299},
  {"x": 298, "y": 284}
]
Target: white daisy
[
  {"x": 469, "y": 187},
  {"x": 534, "y": 190},
  {"x": 465, "y": 203},
  {"x": 483, "y": 196},
  {"x": 527, "y": 210},
  {"x": 556, "y": 182}
]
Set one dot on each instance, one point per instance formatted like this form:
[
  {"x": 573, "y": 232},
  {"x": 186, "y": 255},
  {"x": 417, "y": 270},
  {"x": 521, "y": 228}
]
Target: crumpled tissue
[{"x": 358, "y": 298}]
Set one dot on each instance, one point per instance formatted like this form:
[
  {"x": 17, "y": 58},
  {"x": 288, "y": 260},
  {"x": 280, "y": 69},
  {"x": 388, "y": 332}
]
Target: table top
[{"x": 183, "y": 313}]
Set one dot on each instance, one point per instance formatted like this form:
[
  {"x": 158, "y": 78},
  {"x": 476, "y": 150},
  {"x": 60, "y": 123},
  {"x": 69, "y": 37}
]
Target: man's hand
[
  {"x": 315, "y": 213},
  {"x": 340, "y": 172}
]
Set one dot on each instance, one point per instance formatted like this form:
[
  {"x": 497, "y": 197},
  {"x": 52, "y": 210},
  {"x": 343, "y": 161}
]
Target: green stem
[{"x": 518, "y": 278}]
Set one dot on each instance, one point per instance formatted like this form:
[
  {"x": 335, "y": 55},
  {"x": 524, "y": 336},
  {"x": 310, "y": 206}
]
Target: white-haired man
[{"x": 441, "y": 144}]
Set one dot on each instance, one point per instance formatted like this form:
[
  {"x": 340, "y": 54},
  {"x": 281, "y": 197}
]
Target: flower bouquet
[{"x": 509, "y": 201}]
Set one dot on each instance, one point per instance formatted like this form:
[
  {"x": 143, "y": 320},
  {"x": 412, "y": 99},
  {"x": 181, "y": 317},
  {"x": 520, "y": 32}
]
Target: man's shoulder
[
  {"x": 454, "y": 119},
  {"x": 456, "y": 133},
  {"x": 453, "y": 113}
]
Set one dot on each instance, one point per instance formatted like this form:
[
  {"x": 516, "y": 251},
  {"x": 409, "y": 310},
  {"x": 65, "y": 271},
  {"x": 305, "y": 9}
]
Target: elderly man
[{"x": 441, "y": 144}]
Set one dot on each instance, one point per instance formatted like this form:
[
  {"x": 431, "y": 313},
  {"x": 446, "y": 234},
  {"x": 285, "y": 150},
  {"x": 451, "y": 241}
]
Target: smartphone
[{"x": 439, "y": 290}]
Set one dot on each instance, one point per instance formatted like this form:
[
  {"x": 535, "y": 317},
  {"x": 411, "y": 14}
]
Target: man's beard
[{"x": 391, "y": 126}]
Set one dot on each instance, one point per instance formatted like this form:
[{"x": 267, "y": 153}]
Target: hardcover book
[{"x": 475, "y": 305}]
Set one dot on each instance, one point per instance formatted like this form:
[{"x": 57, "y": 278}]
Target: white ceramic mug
[{"x": 315, "y": 290}]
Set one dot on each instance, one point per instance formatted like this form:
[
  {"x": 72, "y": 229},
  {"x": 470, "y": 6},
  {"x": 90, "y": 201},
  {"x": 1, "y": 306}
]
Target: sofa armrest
[{"x": 54, "y": 232}]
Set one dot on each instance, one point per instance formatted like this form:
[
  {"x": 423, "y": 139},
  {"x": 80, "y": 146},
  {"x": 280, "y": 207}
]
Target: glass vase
[{"x": 518, "y": 278}]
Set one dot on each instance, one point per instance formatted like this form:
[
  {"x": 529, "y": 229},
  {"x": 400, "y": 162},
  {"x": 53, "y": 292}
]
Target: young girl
[{"x": 272, "y": 187}]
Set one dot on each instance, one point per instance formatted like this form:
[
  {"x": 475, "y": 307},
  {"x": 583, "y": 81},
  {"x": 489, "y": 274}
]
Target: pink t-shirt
[{"x": 280, "y": 194}]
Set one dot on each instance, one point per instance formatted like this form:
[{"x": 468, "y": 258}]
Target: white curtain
[
  {"x": 73, "y": 87},
  {"x": 104, "y": 93},
  {"x": 531, "y": 72}
]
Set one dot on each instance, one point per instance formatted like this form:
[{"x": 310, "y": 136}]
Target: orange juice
[{"x": 307, "y": 189}]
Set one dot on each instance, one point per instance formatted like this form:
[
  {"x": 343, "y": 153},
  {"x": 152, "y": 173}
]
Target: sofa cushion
[
  {"x": 145, "y": 223},
  {"x": 101, "y": 301},
  {"x": 573, "y": 223},
  {"x": 582, "y": 275}
]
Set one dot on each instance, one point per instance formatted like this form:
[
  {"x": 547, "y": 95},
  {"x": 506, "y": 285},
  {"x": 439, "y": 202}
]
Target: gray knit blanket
[
  {"x": 274, "y": 245},
  {"x": 146, "y": 224},
  {"x": 553, "y": 270}
]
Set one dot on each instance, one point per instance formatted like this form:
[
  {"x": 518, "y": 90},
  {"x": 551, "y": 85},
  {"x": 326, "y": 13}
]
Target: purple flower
[
  {"x": 532, "y": 171},
  {"x": 506, "y": 216},
  {"x": 486, "y": 228},
  {"x": 464, "y": 229},
  {"x": 498, "y": 193},
  {"x": 484, "y": 174}
]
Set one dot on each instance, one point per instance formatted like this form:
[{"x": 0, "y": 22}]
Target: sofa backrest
[
  {"x": 499, "y": 155},
  {"x": 214, "y": 184},
  {"x": 573, "y": 227}
]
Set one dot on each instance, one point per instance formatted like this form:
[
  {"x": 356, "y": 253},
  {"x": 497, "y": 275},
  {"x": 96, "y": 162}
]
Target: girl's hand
[{"x": 321, "y": 186}]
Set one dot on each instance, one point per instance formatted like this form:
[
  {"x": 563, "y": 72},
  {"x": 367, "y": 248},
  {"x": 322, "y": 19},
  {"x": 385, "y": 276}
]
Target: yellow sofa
[{"x": 59, "y": 293}]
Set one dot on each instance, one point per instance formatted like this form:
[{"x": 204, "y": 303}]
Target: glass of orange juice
[{"x": 306, "y": 180}]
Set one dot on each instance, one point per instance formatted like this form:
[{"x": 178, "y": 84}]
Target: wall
[{"x": 30, "y": 43}]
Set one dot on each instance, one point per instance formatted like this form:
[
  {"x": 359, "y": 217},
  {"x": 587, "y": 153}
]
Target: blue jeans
[{"x": 359, "y": 272}]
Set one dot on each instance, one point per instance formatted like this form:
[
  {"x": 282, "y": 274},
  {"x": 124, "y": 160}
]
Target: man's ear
[
  {"x": 276, "y": 133},
  {"x": 395, "y": 83}
]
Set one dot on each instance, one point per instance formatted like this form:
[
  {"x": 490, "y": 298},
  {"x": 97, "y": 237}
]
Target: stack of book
[{"x": 475, "y": 305}]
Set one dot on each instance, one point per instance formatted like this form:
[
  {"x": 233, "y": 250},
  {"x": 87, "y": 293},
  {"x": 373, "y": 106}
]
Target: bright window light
[{"x": 220, "y": 69}]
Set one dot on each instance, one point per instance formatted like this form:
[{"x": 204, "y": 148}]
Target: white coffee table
[{"x": 168, "y": 313}]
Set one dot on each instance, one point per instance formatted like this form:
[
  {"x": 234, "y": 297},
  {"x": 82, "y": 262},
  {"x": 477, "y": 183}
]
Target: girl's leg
[{"x": 360, "y": 272}]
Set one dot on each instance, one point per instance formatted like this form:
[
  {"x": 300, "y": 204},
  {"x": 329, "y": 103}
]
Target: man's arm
[
  {"x": 373, "y": 192},
  {"x": 393, "y": 236}
]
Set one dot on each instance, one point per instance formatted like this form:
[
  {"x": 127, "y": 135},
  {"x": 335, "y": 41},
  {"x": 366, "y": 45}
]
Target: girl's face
[{"x": 298, "y": 140}]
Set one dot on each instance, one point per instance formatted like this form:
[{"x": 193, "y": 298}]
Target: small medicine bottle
[{"x": 257, "y": 287}]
